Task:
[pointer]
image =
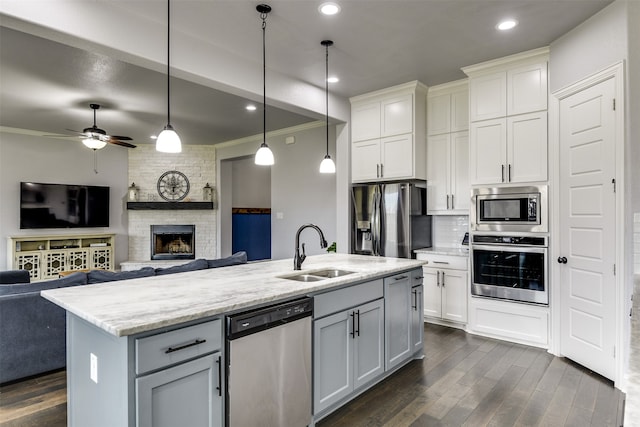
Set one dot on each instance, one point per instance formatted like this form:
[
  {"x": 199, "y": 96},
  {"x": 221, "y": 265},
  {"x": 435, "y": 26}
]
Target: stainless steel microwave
[{"x": 520, "y": 209}]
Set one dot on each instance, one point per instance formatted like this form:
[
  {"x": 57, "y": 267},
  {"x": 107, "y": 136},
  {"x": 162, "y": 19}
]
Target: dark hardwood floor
[{"x": 464, "y": 380}]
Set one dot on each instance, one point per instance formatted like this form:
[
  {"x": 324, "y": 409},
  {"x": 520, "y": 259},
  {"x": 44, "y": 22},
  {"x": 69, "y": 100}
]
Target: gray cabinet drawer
[
  {"x": 172, "y": 347},
  {"x": 345, "y": 298}
]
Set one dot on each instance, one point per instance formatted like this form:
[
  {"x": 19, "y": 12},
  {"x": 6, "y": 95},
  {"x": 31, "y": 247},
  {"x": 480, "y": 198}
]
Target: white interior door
[{"x": 587, "y": 224}]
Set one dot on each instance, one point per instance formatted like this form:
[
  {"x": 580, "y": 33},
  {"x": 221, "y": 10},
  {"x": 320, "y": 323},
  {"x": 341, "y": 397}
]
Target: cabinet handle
[
  {"x": 452, "y": 204},
  {"x": 182, "y": 347},
  {"x": 378, "y": 170},
  {"x": 219, "y": 388},
  {"x": 447, "y": 201},
  {"x": 353, "y": 325},
  {"x": 502, "y": 173},
  {"x": 381, "y": 170},
  {"x": 441, "y": 262},
  {"x": 415, "y": 300},
  {"x": 400, "y": 278},
  {"x": 443, "y": 279},
  {"x": 358, "y": 315},
  {"x": 437, "y": 278},
  {"x": 509, "y": 172}
]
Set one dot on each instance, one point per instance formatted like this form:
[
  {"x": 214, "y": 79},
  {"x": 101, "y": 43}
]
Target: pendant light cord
[
  {"x": 264, "y": 78},
  {"x": 168, "y": 62},
  {"x": 326, "y": 83}
]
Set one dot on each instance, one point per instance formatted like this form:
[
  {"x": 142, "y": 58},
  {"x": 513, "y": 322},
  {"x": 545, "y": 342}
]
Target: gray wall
[
  {"x": 298, "y": 191},
  {"x": 592, "y": 46},
  {"x": 251, "y": 184},
  {"x": 32, "y": 158}
]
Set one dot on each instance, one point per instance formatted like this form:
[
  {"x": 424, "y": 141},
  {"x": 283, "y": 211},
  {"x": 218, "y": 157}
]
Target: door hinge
[
  {"x": 614, "y": 104},
  {"x": 613, "y": 181}
]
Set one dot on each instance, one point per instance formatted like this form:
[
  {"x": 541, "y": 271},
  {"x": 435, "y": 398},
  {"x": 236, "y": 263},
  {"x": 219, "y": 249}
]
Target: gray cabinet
[
  {"x": 417, "y": 318},
  {"x": 166, "y": 377},
  {"x": 183, "y": 395},
  {"x": 397, "y": 304},
  {"x": 349, "y": 344}
]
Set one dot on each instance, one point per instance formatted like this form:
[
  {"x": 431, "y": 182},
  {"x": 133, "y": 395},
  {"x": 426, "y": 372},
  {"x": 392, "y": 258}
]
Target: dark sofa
[{"x": 33, "y": 329}]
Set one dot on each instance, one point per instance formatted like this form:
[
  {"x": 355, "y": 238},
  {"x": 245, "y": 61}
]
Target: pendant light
[
  {"x": 168, "y": 141},
  {"x": 327, "y": 165},
  {"x": 264, "y": 155}
]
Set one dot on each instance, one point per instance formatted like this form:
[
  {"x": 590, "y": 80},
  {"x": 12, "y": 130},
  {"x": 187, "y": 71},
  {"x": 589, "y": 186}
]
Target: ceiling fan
[{"x": 96, "y": 138}]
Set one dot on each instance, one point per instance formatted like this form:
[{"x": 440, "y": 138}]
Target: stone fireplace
[{"x": 173, "y": 242}]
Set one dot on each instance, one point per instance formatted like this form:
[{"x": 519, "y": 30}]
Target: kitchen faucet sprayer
[{"x": 298, "y": 259}]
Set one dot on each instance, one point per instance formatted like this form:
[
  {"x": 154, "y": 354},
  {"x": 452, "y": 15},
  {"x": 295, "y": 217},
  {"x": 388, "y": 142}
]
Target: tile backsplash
[{"x": 448, "y": 230}]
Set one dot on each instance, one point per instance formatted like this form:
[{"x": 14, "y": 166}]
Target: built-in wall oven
[
  {"x": 509, "y": 209},
  {"x": 510, "y": 267}
]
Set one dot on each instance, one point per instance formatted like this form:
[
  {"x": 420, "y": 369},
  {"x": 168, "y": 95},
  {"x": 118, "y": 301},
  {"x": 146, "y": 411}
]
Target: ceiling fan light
[
  {"x": 94, "y": 143},
  {"x": 327, "y": 165},
  {"x": 168, "y": 141},
  {"x": 264, "y": 156}
]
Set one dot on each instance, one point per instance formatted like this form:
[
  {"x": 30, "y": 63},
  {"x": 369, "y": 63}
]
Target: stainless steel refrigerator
[{"x": 389, "y": 219}]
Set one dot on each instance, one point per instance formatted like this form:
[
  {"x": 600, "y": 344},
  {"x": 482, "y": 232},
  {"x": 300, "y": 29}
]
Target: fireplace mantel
[{"x": 170, "y": 206}]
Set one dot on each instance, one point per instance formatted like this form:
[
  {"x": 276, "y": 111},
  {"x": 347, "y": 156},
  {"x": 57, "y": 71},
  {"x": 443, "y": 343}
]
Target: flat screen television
[{"x": 63, "y": 206}]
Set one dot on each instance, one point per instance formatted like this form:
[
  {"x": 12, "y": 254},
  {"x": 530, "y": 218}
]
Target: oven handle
[{"x": 510, "y": 248}]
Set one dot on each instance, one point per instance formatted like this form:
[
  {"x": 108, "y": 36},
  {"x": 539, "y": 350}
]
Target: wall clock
[{"x": 173, "y": 186}]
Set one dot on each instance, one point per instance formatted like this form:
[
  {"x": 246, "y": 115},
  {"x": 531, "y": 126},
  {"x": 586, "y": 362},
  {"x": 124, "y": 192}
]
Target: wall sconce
[{"x": 133, "y": 193}]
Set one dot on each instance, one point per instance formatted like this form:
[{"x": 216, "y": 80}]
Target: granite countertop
[
  {"x": 128, "y": 307},
  {"x": 441, "y": 250}
]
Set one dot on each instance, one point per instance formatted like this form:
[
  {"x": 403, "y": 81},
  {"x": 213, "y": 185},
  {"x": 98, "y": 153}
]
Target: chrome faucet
[{"x": 299, "y": 259}]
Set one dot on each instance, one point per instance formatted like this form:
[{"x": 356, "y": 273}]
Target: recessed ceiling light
[
  {"x": 333, "y": 80},
  {"x": 329, "y": 8},
  {"x": 250, "y": 107},
  {"x": 507, "y": 24}
]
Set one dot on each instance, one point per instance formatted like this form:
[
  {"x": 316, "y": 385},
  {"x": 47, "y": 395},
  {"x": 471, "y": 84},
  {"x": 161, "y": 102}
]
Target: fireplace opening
[{"x": 173, "y": 242}]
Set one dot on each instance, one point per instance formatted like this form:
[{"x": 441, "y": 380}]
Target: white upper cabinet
[
  {"x": 388, "y": 134},
  {"x": 527, "y": 88},
  {"x": 448, "y": 149},
  {"x": 365, "y": 120},
  {"x": 397, "y": 115},
  {"x": 488, "y": 96},
  {"x": 508, "y": 112},
  {"x": 448, "y": 108}
]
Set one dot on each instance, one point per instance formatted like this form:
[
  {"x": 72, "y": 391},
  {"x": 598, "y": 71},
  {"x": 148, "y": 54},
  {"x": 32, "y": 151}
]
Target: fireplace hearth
[{"x": 173, "y": 242}]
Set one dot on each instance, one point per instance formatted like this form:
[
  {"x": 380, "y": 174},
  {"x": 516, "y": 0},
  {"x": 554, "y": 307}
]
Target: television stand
[{"x": 45, "y": 257}]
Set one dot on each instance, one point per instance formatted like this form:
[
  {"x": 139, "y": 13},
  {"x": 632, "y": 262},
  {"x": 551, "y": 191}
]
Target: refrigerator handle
[{"x": 374, "y": 223}]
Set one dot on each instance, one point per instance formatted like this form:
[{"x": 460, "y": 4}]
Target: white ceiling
[{"x": 46, "y": 86}]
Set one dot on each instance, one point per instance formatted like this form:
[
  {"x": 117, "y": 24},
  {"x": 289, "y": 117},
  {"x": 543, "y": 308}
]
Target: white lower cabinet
[
  {"x": 445, "y": 288},
  {"x": 348, "y": 352}
]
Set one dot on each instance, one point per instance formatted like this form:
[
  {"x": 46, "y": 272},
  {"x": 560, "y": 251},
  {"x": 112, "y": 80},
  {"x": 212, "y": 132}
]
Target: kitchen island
[{"x": 122, "y": 336}]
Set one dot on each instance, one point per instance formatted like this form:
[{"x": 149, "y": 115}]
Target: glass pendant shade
[
  {"x": 327, "y": 165},
  {"x": 264, "y": 156},
  {"x": 94, "y": 143},
  {"x": 168, "y": 141}
]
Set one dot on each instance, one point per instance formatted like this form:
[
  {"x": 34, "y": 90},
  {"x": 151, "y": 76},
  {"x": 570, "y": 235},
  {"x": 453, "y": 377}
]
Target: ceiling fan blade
[
  {"x": 75, "y": 131},
  {"x": 121, "y": 143},
  {"x": 121, "y": 138}
]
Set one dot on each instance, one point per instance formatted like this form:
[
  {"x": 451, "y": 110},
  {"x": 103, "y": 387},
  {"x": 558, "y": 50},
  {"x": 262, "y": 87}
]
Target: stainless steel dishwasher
[{"x": 269, "y": 373}]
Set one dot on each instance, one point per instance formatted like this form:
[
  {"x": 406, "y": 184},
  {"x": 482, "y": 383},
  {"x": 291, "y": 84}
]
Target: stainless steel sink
[
  {"x": 331, "y": 273},
  {"x": 304, "y": 278},
  {"x": 314, "y": 276}
]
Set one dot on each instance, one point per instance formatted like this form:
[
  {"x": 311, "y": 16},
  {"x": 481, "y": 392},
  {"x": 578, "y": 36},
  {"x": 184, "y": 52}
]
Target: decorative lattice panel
[
  {"x": 101, "y": 258},
  {"x": 55, "y": 263},
  {"x": 78, "y": 260},
  {"x": 31, "y": 263}
]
